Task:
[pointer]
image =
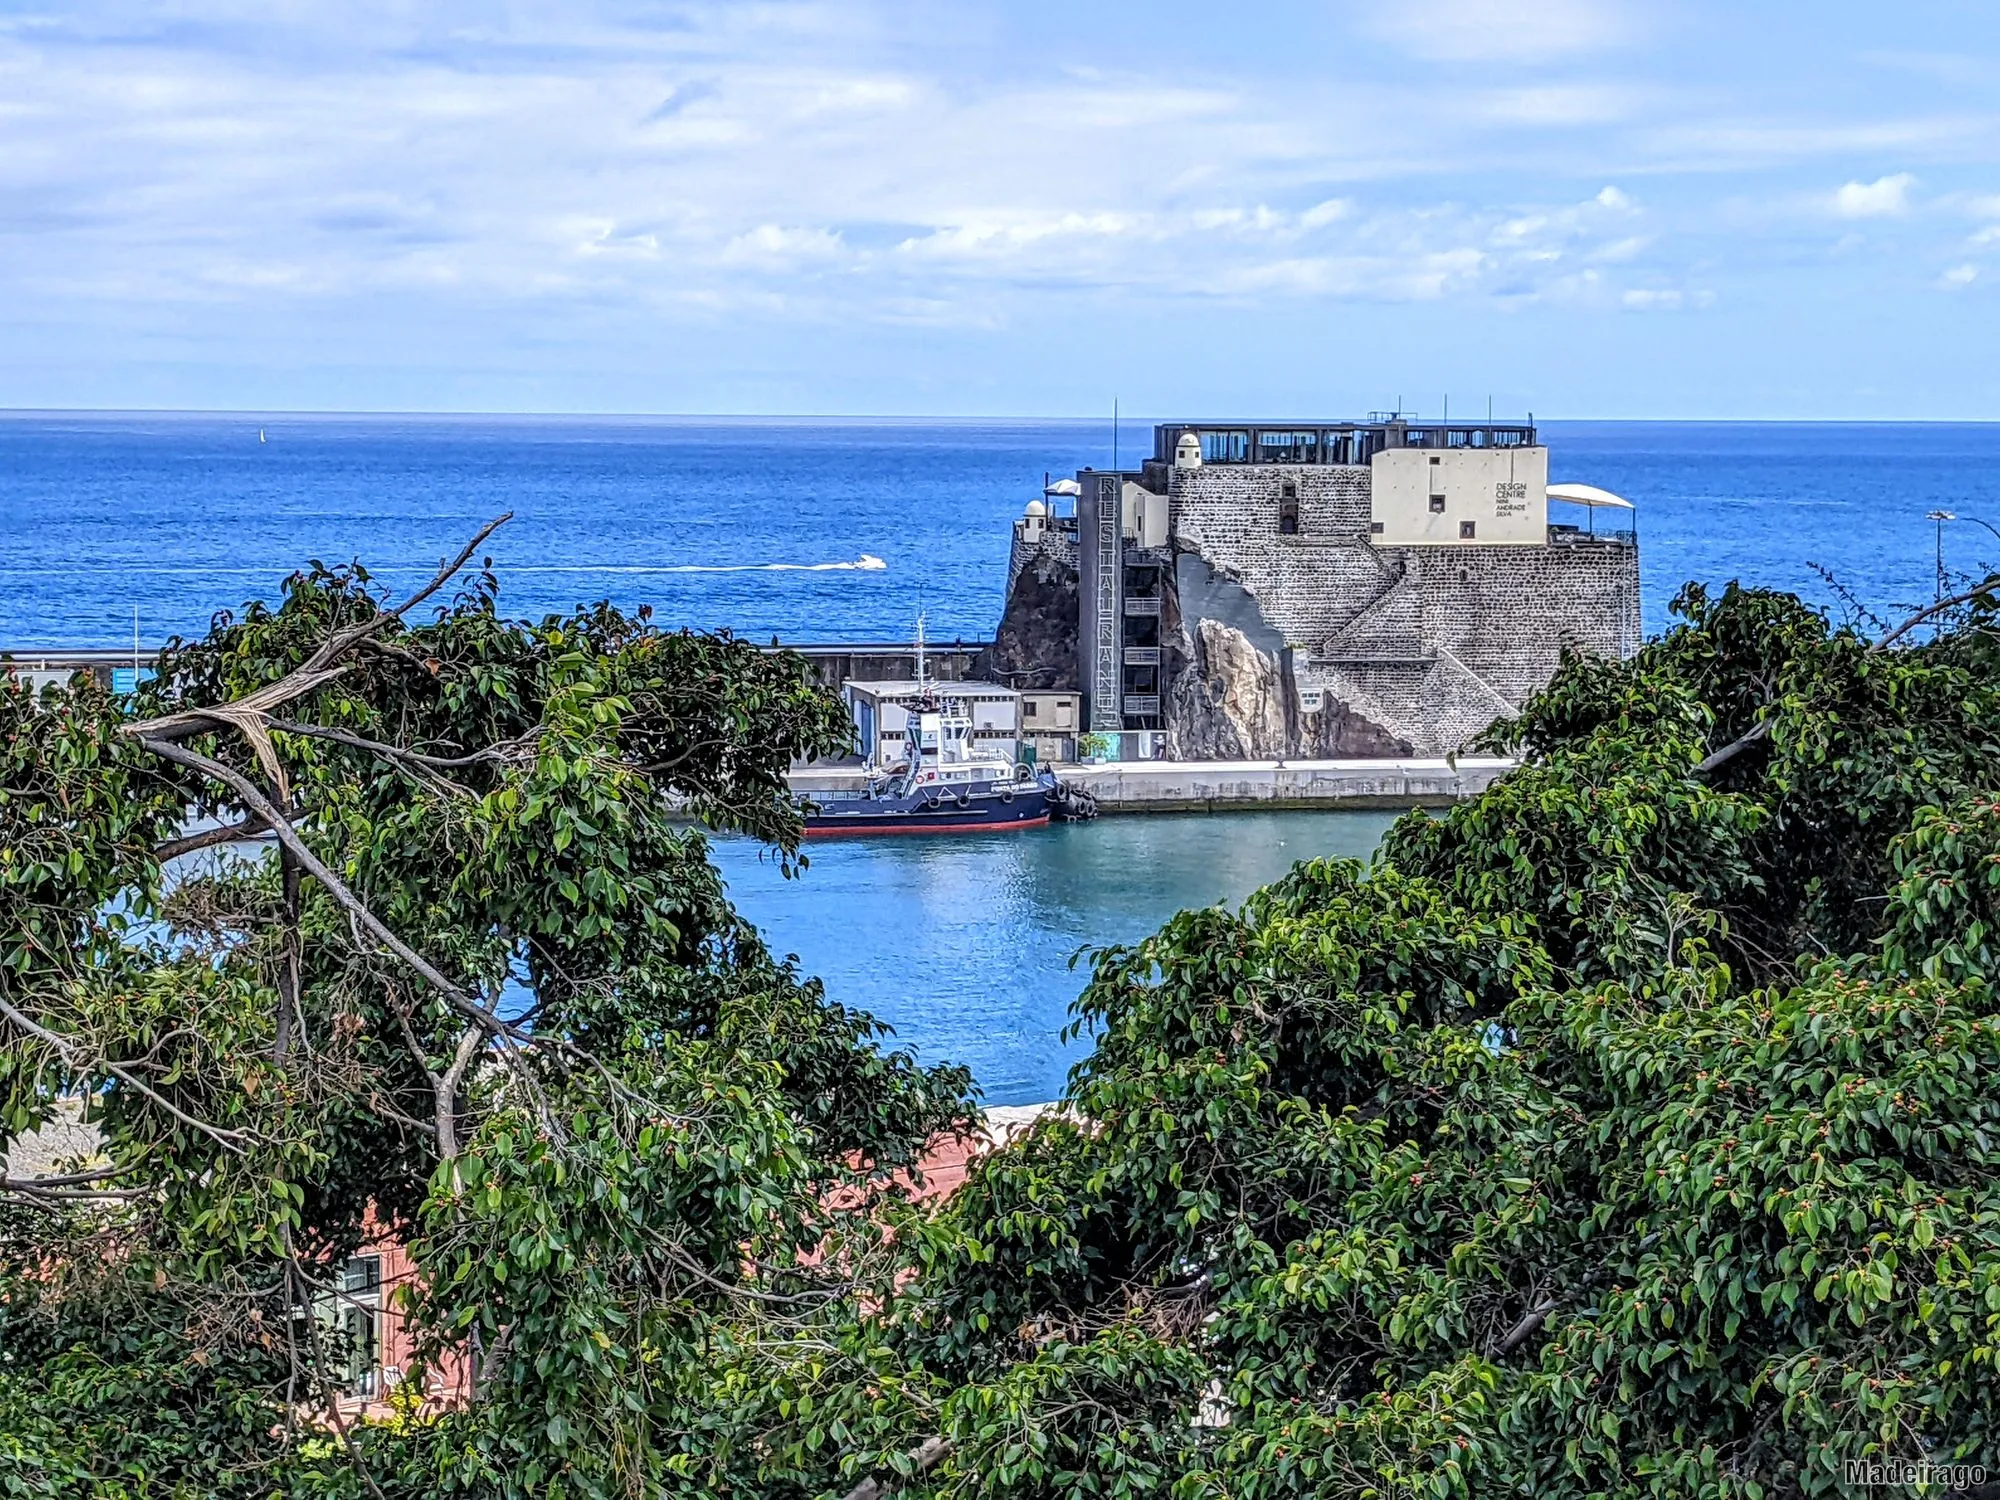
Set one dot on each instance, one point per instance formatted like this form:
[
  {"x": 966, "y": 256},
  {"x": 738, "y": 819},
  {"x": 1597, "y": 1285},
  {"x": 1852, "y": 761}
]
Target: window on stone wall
[
  {"x": 1375, "y": 528},
  {"x": 1288, "y": 509},
  {"x": 1465, "y": 529},
  {"x": 1437, "y": 505}
]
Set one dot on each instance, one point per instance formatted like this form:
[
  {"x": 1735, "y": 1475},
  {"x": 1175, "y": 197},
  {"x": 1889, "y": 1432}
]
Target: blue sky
[{"x": 1588, "y": 208}]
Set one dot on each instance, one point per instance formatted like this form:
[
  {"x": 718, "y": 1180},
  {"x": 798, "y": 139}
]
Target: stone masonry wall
[
  {"x": 1057, "y": 547},
  {"x": 1430, "y": 643},
  {"x": 1309, "y": 584},
  {"x": 1507, "y": 612}
]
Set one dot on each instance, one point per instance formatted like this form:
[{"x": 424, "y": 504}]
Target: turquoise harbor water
[
  {"x": 964, "y": 942},
  {"x": 756, "y": 524}
]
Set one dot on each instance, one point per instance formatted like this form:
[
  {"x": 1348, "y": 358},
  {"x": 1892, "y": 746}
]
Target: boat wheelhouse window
[{"x": 1231, "y": 447}]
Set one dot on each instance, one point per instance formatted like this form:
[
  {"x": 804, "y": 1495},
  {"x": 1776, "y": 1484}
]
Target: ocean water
[
  {"x": 177, "y": 516},
  {"x": 761, "y": 526}
]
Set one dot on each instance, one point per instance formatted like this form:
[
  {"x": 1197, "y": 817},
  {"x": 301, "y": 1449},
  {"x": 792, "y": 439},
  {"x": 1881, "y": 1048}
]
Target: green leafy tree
[
  {"x": 1628, "y": 1130},
  {"x": 479, "y": 987}
]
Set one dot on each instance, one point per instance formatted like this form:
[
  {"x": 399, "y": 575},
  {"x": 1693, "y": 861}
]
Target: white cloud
[
  {"x": 1885, "y": 197},
  {"x": 1619, "y": 252},
  {"x": 785, "y": 247},
  {"x": 1958, "y": 278},
  {"x": 1502, "y": 30},
  {"x": 826, "y": 160}
]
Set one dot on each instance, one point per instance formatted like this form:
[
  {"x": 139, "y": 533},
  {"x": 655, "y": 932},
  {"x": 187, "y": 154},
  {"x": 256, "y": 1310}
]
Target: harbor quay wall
[
  {"x": 1234, "y": 786},
  {"x": 1229, "y": 786}
]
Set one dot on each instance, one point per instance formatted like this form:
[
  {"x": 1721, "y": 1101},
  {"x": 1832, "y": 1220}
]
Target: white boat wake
[{"x": 866, "y": 563}]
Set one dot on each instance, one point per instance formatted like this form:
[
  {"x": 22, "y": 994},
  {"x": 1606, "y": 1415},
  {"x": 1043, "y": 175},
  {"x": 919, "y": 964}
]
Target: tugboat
[{"x": 944, "y": 785}]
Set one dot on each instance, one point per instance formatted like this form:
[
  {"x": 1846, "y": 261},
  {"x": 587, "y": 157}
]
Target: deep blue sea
[
  {"x": 177, "y": 516},
  {"x": 757, "y": 524}
]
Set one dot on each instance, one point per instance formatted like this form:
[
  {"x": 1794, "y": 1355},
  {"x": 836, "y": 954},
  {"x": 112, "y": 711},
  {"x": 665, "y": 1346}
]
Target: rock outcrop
[
  {"x": 1230, "y": 689},
  {"x": 1036, "y": 644},
  {"x": 1228, "y": 700}
]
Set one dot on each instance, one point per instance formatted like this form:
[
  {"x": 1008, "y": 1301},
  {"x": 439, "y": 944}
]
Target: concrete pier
[
  {"x": 1230, "y": 785},
  {"x": 1160, "y": 786}
]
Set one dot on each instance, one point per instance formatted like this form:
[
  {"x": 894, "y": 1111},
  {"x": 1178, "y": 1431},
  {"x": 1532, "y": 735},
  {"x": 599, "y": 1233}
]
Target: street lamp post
[{"x": 1939, "y": 517}]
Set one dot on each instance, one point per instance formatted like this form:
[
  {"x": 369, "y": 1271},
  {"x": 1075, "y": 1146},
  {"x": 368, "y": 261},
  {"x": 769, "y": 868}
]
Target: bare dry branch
[
  {"x": 251, "y": 798},
  {"x": 390, "y": 752},
  {"x": 209, "y": 838},
  {"x": 65, "y": 1048},
  {"x": 1986, "y": 586},
  {"x": 249, "y": 712}
]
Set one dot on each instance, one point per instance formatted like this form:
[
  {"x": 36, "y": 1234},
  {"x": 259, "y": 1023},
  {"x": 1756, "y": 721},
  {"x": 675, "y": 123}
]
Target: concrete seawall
[
  {"x": 1232, "y": 785},
  {"x": 1223, "y": 785}
]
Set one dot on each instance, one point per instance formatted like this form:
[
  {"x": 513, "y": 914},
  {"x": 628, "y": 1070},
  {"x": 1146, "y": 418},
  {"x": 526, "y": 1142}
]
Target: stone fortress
[{"x": 1314, "y": 590}]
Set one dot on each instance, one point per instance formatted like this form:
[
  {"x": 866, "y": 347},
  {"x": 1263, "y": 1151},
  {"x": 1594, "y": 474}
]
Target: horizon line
[{"x": 15, "y": 412}]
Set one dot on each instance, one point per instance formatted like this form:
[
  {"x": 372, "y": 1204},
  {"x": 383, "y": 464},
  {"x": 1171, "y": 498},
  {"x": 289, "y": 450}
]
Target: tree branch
[
  {"x": 1524, "y": 1330},
  {"x": 320, "y": 667},
  {"x": 1761, "y": 730},
  {"x": 387, "y": 751},
  {"x": 926, "y": 1456},
  {"x": 1537, "y": 1315},
  {"x": 1991, "y": 582},
  {"x": 230, "y": 1140},
  {"x": 209, "y": 838},
  {"x": 249, "y": 796}
]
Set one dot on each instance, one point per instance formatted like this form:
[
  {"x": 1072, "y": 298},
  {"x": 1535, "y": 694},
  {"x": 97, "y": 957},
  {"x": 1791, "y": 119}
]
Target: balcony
[
  {"x": 1135, "y": 608},
  {"x": 1142, "y": 705},
  {"x": 1142, "y": 656}
]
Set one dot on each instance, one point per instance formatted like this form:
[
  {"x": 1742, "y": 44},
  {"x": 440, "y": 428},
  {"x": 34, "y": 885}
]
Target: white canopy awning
[
  {"x": 1588, "y": 494},
  {"x": 1064, "y": 487}
]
